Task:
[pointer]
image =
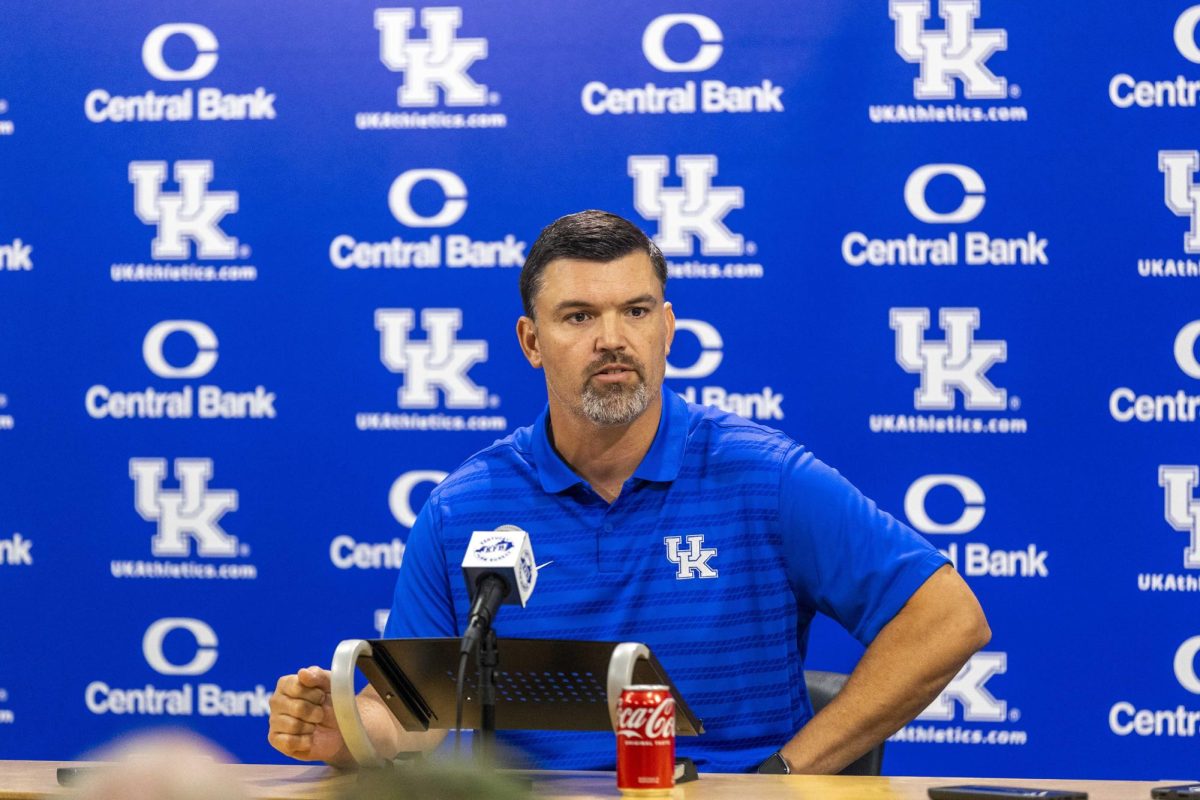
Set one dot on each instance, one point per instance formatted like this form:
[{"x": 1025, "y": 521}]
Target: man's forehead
[{"x": 631, "y": 274}]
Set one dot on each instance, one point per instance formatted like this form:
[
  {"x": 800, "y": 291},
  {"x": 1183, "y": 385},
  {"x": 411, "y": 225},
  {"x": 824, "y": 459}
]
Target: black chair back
[{"x": 823, "y": 687}]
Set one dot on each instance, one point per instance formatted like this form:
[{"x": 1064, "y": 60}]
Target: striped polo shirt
[{"x": 721, "y": 547}]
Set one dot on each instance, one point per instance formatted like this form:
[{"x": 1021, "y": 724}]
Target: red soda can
[{"x": 646, "y": 741}]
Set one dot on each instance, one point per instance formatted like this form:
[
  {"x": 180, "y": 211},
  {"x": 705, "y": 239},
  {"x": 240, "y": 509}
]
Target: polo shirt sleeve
[
  {"x": 422, "y": 604},
  {"x": 844, "y": 556}
]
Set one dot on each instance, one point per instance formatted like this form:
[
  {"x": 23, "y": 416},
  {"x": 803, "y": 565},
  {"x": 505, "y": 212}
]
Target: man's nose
[{"x": 611, "y": 333}]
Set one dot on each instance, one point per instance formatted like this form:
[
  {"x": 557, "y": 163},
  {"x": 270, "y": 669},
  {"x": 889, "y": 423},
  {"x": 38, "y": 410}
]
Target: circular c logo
[
  {"x": 400, "y": 496},
  {"x": 918, "y": 182},
  {"x": 206, "y": 646},
  {"x": 453, "y": 208},
  {"x": 202, "y": 38},
  {"x": 202, "y": 335},
  {"x": 1185, "y": 665},
  {"x": 656, "y": 33},
  {"x": 1185, "y": 34},
  {"x": 710, "y": 350},
  {"x": 1185, "y": 349},
  {"x": 970, "y": 491}
]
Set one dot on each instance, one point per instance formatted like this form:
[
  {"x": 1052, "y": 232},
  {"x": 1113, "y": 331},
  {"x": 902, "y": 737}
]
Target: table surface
[{"x": 37, "y": 779}]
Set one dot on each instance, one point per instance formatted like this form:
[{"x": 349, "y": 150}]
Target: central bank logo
[
  {"x": 968, "y": 691},
  {"x": 204, "y": 401},
  {"x": 694, "y": 210},
  {"x": 972, "y": 559},
  {"x": 15, "y": 256},
  {"x": 190, "y": 514},
  {"x": 708, "y": 96},
  {"x": 189, "y": 216},
  {"x": 346, "y": 552},
  {"x": 1181, "y": 91},
  {"x": 1181, "y": 507},
  {"x": 441, "y": 361},
  {"x": 970, "y": 247},
  {"x": 207, "y": 103},
  {"x": 178, "y": 647},
  {"x": 452, "y": 250},
  {"x": 1125, "y": 718},
  {"x": 692, "y": 562},
  {"x": 762, "y": 405},
  {"x": 959, "y": 52},
  {"x": 1126, "y": 405},
  {"x": 958, "y": 362},
  {"x": 439, "y": 61}
]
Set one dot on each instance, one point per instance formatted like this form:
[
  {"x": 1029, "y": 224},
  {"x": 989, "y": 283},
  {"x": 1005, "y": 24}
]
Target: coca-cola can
[{"x": 646, "y": 741}]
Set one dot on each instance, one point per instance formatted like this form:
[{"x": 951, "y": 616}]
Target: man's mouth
[{"x": 614, "y": 372}]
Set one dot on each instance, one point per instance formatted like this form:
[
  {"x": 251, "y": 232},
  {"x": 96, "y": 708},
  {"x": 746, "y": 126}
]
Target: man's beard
[{"x": 615, "y": 404}]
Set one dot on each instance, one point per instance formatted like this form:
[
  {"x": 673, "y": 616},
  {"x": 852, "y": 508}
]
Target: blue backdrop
[{"x": 258, "y": 270}]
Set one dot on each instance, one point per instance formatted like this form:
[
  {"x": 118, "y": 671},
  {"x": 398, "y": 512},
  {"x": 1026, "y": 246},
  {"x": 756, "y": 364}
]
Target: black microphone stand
[{"x": 488, "y": 659}]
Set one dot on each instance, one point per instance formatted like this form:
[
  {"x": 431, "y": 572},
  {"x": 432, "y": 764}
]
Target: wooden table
[{"x": 20, "y": 780}]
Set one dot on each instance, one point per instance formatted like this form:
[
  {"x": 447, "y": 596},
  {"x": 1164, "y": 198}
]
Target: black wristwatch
[{"x": 775, "y": 765}]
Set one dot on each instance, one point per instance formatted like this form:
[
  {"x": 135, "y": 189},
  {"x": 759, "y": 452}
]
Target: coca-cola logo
[{"x": 643, "y": 722}]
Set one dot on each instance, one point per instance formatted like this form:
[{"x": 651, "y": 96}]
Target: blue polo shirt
[{"x": 722, "y": 546}]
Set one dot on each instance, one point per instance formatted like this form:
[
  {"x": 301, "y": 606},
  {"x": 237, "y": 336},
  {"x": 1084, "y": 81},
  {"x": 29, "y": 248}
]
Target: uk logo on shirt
[{"x": 693, "y": 560}]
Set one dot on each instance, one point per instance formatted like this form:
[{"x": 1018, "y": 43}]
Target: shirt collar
[{"x": 661, "y": 462}]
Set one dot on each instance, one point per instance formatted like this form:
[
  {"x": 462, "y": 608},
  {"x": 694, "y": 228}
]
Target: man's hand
[{"x": 302, "y": 724}]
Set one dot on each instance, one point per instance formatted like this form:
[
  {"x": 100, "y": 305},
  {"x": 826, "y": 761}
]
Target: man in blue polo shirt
[{"x": 712, "y": 539}]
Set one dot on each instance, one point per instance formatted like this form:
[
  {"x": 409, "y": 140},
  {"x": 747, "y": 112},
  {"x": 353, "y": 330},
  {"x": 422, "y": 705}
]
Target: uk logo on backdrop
[
  {"x": 181, "y": 400},
  {"x": 956, "y": 505},
  {"x": 173, "y": 648},
  {"x": 937, "y": 245},
  {"x": 954, "y": 373},
  {"x": 1126, "y": 718},
  {"x": 188, "y": 224},
  {"x": 423, "y": 249},
  {"x": 708, "y": 95},
  {"x": 686, "y": 378},
  {"x": 190, "y": 540},
  {"x": 346, "y": 552},
  {"x": 1178, "y": 91},
  {"x": 979, "y": 715},
  {"x": 179, "y": 55},
  {"x": 1126, "y": 404},
  {"x": 953, "y": 62},
  {"x": 438, "y": 63},
  {"x": 1181, "y": 196},
  {"x": 691, "y": 216},
  {"x": 437, "y": 390},
  {"x": 1180, "y": 522}
]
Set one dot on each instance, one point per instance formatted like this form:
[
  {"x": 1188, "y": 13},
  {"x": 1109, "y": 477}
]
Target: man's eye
[
  {"x": 578, "y": 316},
  {"x": 639, "y": 311}
]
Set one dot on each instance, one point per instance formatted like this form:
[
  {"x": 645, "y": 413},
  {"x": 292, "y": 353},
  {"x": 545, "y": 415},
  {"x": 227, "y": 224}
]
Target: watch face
[{"x": 775, "y": 765}]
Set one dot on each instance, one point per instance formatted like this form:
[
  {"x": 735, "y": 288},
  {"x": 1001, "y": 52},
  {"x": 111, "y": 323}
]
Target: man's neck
[{"x": 604, "y": 456}]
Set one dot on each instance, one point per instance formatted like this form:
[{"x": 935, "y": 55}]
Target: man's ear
[
  {"x": 527, "y": 338},
  {"x": 669, "y": 314}
]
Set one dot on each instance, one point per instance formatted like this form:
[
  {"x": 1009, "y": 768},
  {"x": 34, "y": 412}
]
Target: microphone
[{"x": 498, "y": 568}]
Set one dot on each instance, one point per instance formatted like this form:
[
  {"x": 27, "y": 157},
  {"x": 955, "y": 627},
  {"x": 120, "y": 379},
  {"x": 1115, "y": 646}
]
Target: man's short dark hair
[{"x": 587, "y": 236}]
